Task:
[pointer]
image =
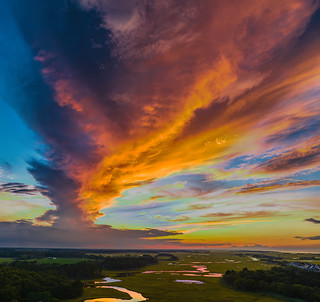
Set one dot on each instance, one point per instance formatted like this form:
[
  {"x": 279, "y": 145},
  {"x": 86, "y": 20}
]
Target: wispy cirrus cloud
[
  {"x": 276, "y": 185},
  {"x": 241, "y": 215},
  {"x": 303, "y": 158},
  {"x": 19, "y": 188},
  {"x": 194, "y": 207},
  {"x": 179, "y": 218}
]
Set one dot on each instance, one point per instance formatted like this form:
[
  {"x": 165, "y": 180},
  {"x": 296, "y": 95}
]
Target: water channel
[{"x": 135, "y": 297}]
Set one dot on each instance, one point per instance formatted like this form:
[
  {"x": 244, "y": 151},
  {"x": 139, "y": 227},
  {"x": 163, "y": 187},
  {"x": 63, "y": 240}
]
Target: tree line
[
  {"x": 128, "y": 262},
  {"x": 21, "y": 285},
  {"x": 286, "y": 281},
  {"x": 29, "y": 281}
]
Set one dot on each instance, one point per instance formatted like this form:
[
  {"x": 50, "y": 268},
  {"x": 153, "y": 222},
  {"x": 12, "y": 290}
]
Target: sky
[{"x": 160, "y": 124}]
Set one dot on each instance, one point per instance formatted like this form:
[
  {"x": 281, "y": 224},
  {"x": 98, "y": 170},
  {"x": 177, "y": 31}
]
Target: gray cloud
[
  {"x": 49, "y": 216},
  {"x": 292, "y": 160},
  {"x": 18, "y": 188},
  {"x": 24, "y": 233},
  {"x": 193, "y": 185},
  {"x": 308, "y": 238},
  {"x": 255, "y": 246},
  {"x": 62, "y": 191},
  {"x": 241, "y": 215},
  {"x": 313, "y": 220},
  {"x": 274, "y": 185}
]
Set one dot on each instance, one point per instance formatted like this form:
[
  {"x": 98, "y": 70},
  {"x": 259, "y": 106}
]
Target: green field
[
  {"x": 162, "y": 287},
  {"x": 4, "y": 260}
]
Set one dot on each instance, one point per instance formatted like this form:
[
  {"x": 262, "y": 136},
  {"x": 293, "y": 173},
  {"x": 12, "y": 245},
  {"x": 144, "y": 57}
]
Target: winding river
[{"x": 135, "y": 297}]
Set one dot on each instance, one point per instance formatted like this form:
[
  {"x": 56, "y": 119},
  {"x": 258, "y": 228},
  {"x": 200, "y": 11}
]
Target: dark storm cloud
[
  {"x": 18, "y": 188},
  {"x": 313, "y": 220},
  {"x": 75, "y": 53},
  {"x": 61, "y": 190},
  {"x": 70, "y": 43},
  {"x": 44, "y": 27},
  {"x": 72, "y": 37}
]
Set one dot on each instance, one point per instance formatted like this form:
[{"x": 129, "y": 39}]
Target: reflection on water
[
  {"x": 107, "y": 280},
  {"x": 190, "y": 281},
  {"x": 216, "y": 275},
  {"x": 135, "y": 297},
  {"x": 199, "y": 269}
]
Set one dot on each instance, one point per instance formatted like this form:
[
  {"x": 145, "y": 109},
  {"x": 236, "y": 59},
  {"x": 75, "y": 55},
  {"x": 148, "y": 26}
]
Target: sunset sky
[{"x": 160, "y": 124}]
